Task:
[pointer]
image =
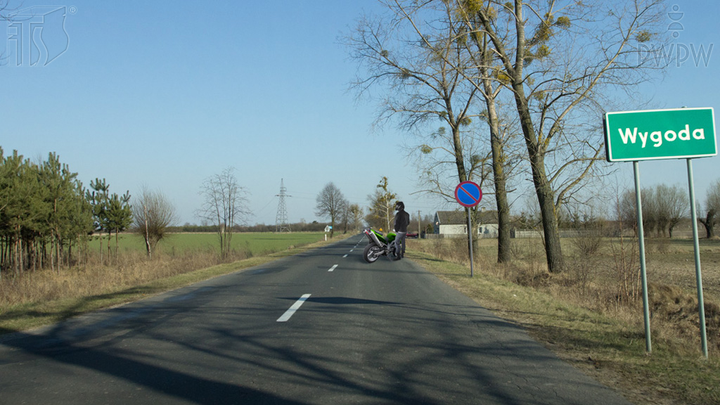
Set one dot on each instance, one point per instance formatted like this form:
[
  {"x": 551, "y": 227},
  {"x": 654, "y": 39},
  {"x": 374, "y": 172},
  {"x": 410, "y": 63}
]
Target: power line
[{"x": 281, "y": 220}]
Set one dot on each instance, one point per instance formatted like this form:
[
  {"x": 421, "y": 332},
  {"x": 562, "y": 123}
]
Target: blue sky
[{"x": 165, "y": 94}]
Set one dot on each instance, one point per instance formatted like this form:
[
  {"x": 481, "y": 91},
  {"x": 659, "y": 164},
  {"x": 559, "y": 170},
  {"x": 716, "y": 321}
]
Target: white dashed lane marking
[{"x": 290, "y": 312}]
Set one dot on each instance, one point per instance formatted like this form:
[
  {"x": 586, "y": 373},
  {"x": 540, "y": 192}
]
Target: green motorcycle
[{"x": 379, "y": 246}]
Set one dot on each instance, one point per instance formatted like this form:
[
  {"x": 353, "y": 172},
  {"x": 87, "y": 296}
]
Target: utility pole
[
  {"x": 419, "y": 227},
  {"x": 281, "y": 224}
]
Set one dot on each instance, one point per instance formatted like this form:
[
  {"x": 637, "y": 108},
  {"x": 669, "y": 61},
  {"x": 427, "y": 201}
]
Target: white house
[{"x": 453, "y": 223}]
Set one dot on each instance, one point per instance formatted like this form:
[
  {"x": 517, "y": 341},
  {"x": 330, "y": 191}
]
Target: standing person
[{"x": 402, "y": 220}]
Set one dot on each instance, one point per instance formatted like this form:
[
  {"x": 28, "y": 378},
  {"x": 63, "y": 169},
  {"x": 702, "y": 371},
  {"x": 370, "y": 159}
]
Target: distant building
[{"x": 453, "y": 223}]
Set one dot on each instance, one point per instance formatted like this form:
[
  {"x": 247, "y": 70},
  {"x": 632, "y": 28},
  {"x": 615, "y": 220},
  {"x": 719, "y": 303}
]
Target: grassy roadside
[
  {"x": 608, "y": 349},
  {"x": 31, "y": 315}
]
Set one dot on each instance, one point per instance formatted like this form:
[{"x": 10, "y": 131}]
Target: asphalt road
[{"x": 322, "y": 327}]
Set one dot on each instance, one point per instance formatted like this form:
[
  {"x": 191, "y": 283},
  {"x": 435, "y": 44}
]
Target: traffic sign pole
[
  {"x": 643, "y": 270},
  {"x": 467, "y": 210},
  {"x": 698, "y": 272},
  {"x": 468, "y": 194}
]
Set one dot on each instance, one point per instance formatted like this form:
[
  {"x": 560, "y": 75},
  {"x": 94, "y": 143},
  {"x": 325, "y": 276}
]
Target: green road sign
[{"x": 660, "y": 134}]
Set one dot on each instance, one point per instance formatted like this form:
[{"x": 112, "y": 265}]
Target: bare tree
[
  {"x": 330, "y": 204},
  {"x": 152, "y": 214},
  {"x": 355, "y": 213},
  {"x": 478, "y": 66},
  {"x": 663, "y": 208},
  {"x": 382, "y": 203},
  {"x": 345, "y": 215},
  {"x": 424, "y": 85},
  {"x": 672, "y": 205},
  {"x": 712, "y": 210},
  {"x": 225, "y": 205},
  {"x": 626, "y": 210},
  {"x": 556, "y": 57}
]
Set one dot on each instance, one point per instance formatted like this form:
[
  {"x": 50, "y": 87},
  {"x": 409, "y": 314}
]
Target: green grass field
[{"x": 258, "y": 243}]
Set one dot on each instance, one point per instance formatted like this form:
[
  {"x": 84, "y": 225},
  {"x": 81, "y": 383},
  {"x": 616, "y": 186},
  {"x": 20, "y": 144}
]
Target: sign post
[
  {"x": 685, "y": 133},
  {"x": 643, "y": 268},
  {"x": 468, "y": 194},
  {"x": 698, "y": 272}
]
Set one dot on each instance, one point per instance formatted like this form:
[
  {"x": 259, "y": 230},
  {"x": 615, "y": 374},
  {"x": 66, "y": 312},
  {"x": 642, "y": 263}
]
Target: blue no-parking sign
[{"x": 468, "y": 194}]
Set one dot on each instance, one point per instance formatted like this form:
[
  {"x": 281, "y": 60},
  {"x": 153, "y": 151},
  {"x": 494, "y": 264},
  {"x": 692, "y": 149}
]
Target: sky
[{"x": 164, "y": 94}]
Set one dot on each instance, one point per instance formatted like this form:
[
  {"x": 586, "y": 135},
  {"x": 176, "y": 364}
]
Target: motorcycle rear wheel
[{"x": 372, "y": 253}]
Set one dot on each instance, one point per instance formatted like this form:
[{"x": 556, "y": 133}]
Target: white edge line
[{"x": 290, "y": 312}]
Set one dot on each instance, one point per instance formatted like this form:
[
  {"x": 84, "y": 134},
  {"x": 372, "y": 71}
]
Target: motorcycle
[{"x": 379, "y": 246}]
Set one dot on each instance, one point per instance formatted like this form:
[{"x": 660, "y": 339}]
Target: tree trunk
[
  {"x": 503, "y": 207},
  {"x": 543, "y": 188},
  {"x": 147, "y": 234},
  {"x": 18, "y": 252},
  {"x": 69, "y": 254},
  {"x": 57, "y": 250},
  {"x": 499, "y": 176},
  {"x": 52, "y": 252},
  {"x": 553, "y": 249},
  {"x": 33, "y": 253},
  {"x": 709, "y": 223}
]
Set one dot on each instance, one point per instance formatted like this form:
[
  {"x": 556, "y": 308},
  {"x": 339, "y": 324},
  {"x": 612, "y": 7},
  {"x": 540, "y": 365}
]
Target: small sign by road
[{"x": 468, "y": 194}]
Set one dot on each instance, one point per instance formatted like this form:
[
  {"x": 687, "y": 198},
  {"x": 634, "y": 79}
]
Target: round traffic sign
[{"x": 468, "y": 194}]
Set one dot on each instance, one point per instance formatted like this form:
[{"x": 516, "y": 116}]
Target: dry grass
[
  {"x": 128, "y": 270},
  {"x": 42, "y": 297},
  {"x": 591, "y": 314},
  {"x": 603, "y": 275}
]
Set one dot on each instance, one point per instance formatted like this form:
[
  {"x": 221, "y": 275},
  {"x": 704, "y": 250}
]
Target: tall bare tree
[
  {"x": 382, "y": 203},
  {"x": 330, "y": 204},
  {"x": 556, "y": 57},
  {"x": 423, "y": 85},
  {"x": 225, "y": 205},
  {"x": 152, "y": 213},
  {"x": 478, "y": 68},
  {"x": 355, "y": 215}
]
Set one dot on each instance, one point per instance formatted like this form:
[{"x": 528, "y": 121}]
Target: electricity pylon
[{"x": 281, "y": 224}]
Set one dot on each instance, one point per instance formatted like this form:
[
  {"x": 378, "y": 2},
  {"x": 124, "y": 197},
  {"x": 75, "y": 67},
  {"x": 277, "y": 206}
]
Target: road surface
[{"x": 321, "y": 327}]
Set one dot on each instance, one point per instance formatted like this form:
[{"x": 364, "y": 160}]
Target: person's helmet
[{"x": 399, "y": 206}]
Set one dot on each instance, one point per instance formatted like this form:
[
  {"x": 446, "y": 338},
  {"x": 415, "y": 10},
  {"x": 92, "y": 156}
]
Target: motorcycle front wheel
[{"x": 372, "y": 253}]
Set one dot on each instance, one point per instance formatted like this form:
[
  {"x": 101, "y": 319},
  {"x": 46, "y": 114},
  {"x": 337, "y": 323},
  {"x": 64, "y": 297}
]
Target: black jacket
[{"x": 402, "y": 220}]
